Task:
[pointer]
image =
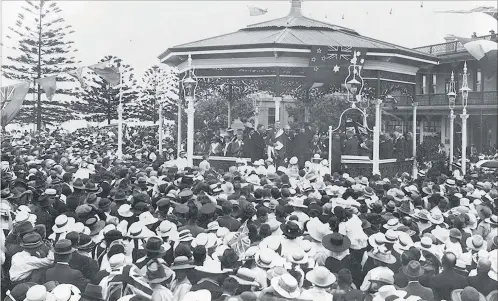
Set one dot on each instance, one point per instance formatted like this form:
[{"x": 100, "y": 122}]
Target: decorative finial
[
  {"x": 452, "y": 76},
  {"x": 465, "y": 68},
  {"x": 295, "y": 8},
  {"x": 189, "y": 61}
]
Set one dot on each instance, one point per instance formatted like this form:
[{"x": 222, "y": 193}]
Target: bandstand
[{"x": 275, "y": 56}]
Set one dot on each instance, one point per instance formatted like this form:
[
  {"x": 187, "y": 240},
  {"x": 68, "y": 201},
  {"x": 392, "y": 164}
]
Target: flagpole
[{"x": 120, "y": 119}]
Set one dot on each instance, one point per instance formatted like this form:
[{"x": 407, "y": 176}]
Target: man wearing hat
[
  {"x": 92, "y": 293},
  {"x": 82, "y": 260},
  {"x": 448, "y": 280},
  {"x": 413, "y": 271},
  {"x": 482, "y": 282},
  {"x": 62, "y": 272}
]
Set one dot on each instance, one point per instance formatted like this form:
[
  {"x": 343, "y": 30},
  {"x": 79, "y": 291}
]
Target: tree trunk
[
  {"x": 38, "y": 102},
  {"x": 108, "y": 115}
]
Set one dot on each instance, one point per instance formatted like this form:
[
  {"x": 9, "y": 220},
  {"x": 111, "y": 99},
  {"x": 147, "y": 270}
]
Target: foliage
[
  {"x": 41, "y": 42},
  {"x": 427, "y": 154},
  {"x": 160, "y": 85},
  {"x": 99, "y": 101},
  {"x": 325, "y": 107}
]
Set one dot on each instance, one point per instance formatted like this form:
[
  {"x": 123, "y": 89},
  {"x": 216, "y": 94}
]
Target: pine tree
[
  {"x": 41, "y": 46},
  {"x": 160, "y": 85},
  {"x": 99, "y": 101}
]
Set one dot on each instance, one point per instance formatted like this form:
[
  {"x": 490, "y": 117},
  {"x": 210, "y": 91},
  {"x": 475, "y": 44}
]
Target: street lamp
[
  {"x": 189, "y": 85},
  {"x": 465, "y": 96},
  {"x": 354, "y": 81},
  {"x": 451, "y": 104}
]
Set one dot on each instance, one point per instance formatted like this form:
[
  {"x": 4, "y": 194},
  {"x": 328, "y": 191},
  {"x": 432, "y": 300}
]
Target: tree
[
  {"x": 100, "y": 100},
  {"x": 40, "y": 41},
  {"x": 160, "y": 85}
]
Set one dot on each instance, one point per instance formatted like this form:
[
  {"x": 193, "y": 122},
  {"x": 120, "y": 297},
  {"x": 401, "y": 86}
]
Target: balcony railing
[
  {"x": 450, "y": 47},
  {"x": 441, "y": 99}
]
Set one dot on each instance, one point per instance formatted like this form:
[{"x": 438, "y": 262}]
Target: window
[
  {"x": 271, "y": 116},
  {"x": 394, "y": 125},
  {"x": 423, "y": 87},
  {"x": 478, "y": 81},
  {"x": 432, "y": 126},
  {"x": 434, "y": 84}
]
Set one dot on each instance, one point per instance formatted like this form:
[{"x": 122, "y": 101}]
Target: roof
[{"x": 293, "y": 30}]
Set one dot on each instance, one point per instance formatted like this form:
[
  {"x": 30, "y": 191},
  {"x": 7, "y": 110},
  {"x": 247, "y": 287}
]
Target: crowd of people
[{"x": 80, "y": 224}]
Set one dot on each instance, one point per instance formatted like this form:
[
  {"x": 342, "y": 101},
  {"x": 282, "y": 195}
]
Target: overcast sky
[{"x": 138, "y": 31}]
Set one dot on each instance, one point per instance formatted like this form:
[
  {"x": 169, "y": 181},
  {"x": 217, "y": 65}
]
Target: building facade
[{"x": 432, "y": 86}]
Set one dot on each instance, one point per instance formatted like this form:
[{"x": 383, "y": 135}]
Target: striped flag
[
  {"x": 108, "y": 73},
  {"x": 49, "y": 85},
  {"x": 488, "y": 10},
  {"x": 484, "y": 51},
  {"x": 256, "y": 11},
  {"x": 6, "y": 94},
  {"x": 13, "y": 105},
  {"x": 78, "y": 74}
]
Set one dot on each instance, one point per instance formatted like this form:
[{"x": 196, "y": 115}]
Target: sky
[{"x": 138, "y": 31}]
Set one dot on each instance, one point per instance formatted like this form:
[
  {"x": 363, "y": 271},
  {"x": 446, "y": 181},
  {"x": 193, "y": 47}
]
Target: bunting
[
  {"x": 256, "y": 11},
  {"x": 488, "y": 10},
  {"x": 6, "y": 94},
  {"x": 78, "y": 74},
  {"x": 13, "y": 105},
  {"x": 484, "y": 51},
  {"x": 108, "y": 73},
  {"x": 49, "y": 85}
]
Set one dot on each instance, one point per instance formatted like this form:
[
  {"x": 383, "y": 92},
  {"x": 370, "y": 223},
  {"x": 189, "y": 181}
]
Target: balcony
[
  {"x": 449, "y": 47},
  {"x": 475, "y": 98}
]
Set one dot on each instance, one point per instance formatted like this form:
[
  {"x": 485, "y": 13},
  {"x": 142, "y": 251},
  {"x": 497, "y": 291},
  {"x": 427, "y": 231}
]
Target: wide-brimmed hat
[
  {"x": 211, "y": 267},
  {"x": 264, "y": 258},
  {"x": 436, "y": 218},
  {"x": 441, "y": 234},
  {"x": 31, "y": 241},
  {"x": 405, "y": 208},
  {"x": 200, "y": 295},
  {"x": 125, "y": 210},
  {"x": 425, "y": 244},
  {"x": 157, "y": 272},
  {"x": 93, "y": 292},
  {"x": 422, "y": 214},
  {"x": 63, "y": 246},
  {"x": 467, "y": 294},
  {"x": 62, "y": 224},
  {"x": 336, "y": 242},
  {"x": 65, "y": 292},
  {"x": 391, "y": 236},
  {"x": 476, "y": 243},
  {"x": 185, "y": 235},
  {"x": 320, "y": 276},
  {"x": 413, "y": 269},
  {"x": 39, "y": 292},
  {"x": 382, "y": 254},
  {"x": 85, "y": 242},
  {"x": 286, "y": 286},
  {"x": 291, "y": 229},
  {"x": 404, "y": 243},
  {"x": 245, "y": 276},
  {"x": 393, "y": 224},
  {"x": 377, "y": 239},
  {"x": 154, "y": 245},
  {"x": 95, "y": 225},
  {"x": 297, "y": 256},
  {"x": 207, "y": 240},
  {"x": 166, "y": 229},
  {"x": 182, "y": 263},
  {"x": 78, "y": 184},
  {"x": 147, "y": 218},
  {"x": 493, "y": 220}
]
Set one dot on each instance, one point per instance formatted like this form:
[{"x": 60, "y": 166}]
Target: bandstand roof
[{"x": 293, "y": 33}]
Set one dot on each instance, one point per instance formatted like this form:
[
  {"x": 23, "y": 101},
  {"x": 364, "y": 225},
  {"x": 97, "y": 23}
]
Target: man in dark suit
[
  {"x": 258, "y": 143},
  {"x": 82, "y": 260},
  {"x": 413, "y": 271},
  {"x": 62, "y": 272},
  {"x": 236, "y": 146},
  {"x": 399, "y": 146},
  {"x": 448, "y": 280},
  {"x": 351, "y": 144},
  {"x": 227, "y": 220},
  {"x": 482, "y": 282}
]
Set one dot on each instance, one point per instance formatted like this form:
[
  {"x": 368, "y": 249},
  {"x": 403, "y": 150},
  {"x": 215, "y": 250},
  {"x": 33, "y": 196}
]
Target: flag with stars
[{"x": 329, "y": 64}]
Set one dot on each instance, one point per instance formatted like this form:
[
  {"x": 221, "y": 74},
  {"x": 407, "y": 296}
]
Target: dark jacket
[
  {"x": 414, "y": 288},
  {"x": 258, "y": 146},
  {"x": 483, "y": 284},
  {"x": 386, "y": 149},
  {"x": 446, "y": 282},
  {"x": 399, "y": 149},
  {"x": 86, "y": 265},
  {"x": 63, "y": 273},
  {"x": 351, "y": 147},
  {"x": 229, "y": 222}
]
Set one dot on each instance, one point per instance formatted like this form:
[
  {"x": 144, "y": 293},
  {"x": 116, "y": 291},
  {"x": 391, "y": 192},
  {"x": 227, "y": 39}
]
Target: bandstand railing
[
  {"x": 449, "y": 47},
  {"x": 441, "y": 99}
]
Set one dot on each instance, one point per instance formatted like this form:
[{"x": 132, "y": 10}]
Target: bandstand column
[
  {"x": 464, "y": 117},
  {"x": 160, "y": 130},
  {"x": 330, "y": 149},
  {"x": 278, "y": 101},
  {"x": 179, "y": 134},
  {"x": 376, "y": 140},
  {"x": 414, "y": 140},
  {"x": 452, "y": 122},
  {"x": 190, "y": 129}
]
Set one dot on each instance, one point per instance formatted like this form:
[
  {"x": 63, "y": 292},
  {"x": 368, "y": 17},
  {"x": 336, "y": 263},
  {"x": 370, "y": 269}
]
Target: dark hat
[
  {"x": 467, "y": 294},
  {"x": 185, "y": 194},
  {"x": 90, "y": 186},
  {"x": 336, "y": 242},
  {"x": 181, "y": 209},
  {"x": 113, "y": 234},
  {"x": 31, "y": 241},
  {"x": 85, "y": 242},
  {"x": 163, "y": 203},
  {"x": 23, "y": 227},
  {"x": 155, "y": 245},
  {"x": 413, "y": 269},
  {"x": 63, "y": 246},
  {"x": 18, "y": 293},
  {"x": 78, "y": 184},
  {"x": 208, "y": 208},
  {"x": 291, "y": 229},
  {"x": 94, "y": 225},
  {"x": 104, "y": 204},
  {"x": 405, "y": 207},
  {"x": 93, "y": 292},
  {"x": 120, "y": 195}
]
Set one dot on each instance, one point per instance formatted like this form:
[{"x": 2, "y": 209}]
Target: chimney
[{"x": 295, "y": 10}]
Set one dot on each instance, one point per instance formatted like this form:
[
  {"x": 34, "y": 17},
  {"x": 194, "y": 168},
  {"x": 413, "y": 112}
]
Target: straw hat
[
  {"x": 39, "y": 293},
  {"x": 298, "y": 256},
  {"x": 321, "y": 276},
  {"x": 63, "y": 224},
  {"x": 146, "y": 218},
  {"x": 318, "y": 230},
  {"x": 245, "y": 276},
  {"x": 207, "y": 240},
  {"x": 436, "y": 218},
  {"x": 476, "y": 243},
  {"x": 211, "y": 267},
  {"x": 377, "y": 239},
  {"x": 125, "y": 210},
  {"x": 382, "y": 254},
  {"x": 441, "y": 234},
  {"x": 393, "y": 224},
  {"x": 286, "y": 286},
  {"x": 404, "y": 242},
  {"x": 66, "y": 292},
  {"x": 264, "y": 258}
]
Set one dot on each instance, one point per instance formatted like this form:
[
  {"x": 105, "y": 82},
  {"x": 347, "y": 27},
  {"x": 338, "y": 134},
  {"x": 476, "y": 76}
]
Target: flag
[
  {"x": 484, "y": 51},
  {"x": 488, "y": 10},
  {"x": 329, "y": 64},
  {"x": 110, "y": 74},
  {"x": 6, "y": 94},
  {"x": 49, "y": 85},
  {"x": 13, "y": 105},
  {"x": 78, "y": 74},
  {"x": 256, "y": 11}
]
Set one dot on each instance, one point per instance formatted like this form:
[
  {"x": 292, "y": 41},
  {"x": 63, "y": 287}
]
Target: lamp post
[
  {"x": 451, "y": 98},
  {"x": 465, "y": 97},
  {"x": 414, "y": 140},
  {"x": 189, "y": 86}
]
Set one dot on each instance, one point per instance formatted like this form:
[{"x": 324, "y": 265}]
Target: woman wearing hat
[
  {"x": 292, "y": 237},
  {"x": 321, "y": 279},
  {"x": 282, "y": 287},
  {"x": 159, "y": 278},
  {"x": 181, "y": 285}
]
